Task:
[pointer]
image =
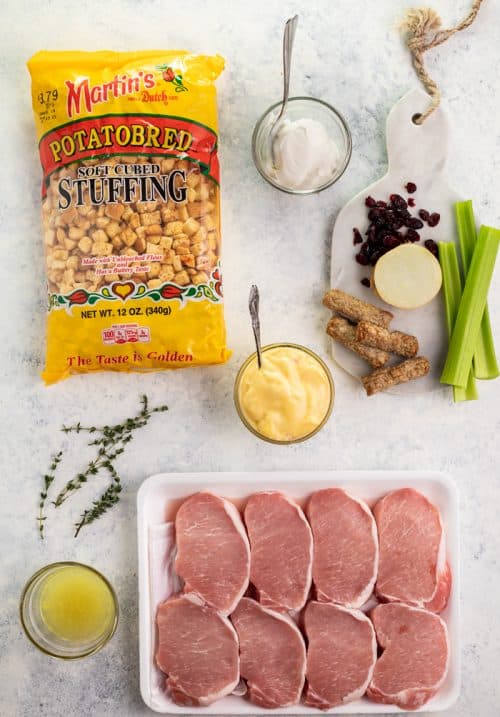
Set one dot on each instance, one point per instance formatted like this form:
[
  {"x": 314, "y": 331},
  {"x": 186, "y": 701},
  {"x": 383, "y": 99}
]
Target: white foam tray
[{"x": 158, "y": 499}]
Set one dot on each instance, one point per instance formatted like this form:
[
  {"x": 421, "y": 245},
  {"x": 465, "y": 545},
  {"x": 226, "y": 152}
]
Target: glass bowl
[
  {"x": 241, "y": 412},
  {"x": 302, "y": 108},
  {"x": 38, "y": 631}
]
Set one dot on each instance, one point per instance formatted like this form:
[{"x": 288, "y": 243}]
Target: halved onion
[{"x": 407, "y": 277}]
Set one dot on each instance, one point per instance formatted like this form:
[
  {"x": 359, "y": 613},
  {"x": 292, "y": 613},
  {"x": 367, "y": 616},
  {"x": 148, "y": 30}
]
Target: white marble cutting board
[{"x": 416, "y": 153}]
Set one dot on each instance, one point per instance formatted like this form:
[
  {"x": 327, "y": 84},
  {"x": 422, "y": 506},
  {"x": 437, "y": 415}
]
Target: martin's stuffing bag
[{"x": 130, "y": 208}]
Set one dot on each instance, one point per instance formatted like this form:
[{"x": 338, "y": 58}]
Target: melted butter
[
  {"x": 76, "y": 604},
  {"x": 288, "y": 397}
]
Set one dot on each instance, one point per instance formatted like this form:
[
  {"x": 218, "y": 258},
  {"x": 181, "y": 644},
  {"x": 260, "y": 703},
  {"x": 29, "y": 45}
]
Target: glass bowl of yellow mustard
[
  {"x": 69, "y": 610},
  {"x": 288, "y": 399}
]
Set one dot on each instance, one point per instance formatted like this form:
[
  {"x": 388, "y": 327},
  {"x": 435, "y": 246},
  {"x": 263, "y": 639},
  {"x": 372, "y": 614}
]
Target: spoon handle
[
  {"x": 288, "y": 38},
  {"x": 253, "y": 306}
]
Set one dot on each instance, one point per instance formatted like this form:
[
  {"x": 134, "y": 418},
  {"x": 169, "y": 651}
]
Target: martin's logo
[{"x": 82, "y": 96}]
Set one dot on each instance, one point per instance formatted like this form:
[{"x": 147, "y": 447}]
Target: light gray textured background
[{"x": 347, "y": 53}]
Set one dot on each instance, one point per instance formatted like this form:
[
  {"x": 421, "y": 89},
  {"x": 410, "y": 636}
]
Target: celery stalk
[
  {"x": 485, "y": 361},
  {"x": 470, "y": 311},
  {"x": 452, "y": 290}
]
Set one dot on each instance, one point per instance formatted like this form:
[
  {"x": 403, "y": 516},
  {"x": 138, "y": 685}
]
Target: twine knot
[{"x": 422, "y": 27}]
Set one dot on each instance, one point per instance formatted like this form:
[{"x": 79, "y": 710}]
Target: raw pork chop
[
  {"x": 414, "y": 663},
  {"x": 345, "y": 547},
  {"x": 213, "y": 555},
  {"x": 412, "y": 567},
  {"x": 341, "y": 654},
  {"x": 197, "y": 650},
  {"x": 272, "y": 655},
  {"x": 281, "y": 550}
]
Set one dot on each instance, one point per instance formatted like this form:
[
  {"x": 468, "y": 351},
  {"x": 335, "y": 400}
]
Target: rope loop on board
[{"x": 423, "y": 30}]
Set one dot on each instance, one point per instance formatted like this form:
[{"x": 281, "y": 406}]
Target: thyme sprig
[
  {"x": 107, "y": 500},
  {"x": 92, "y": 469},
  {"x": 110, "y": 442},
  {"x": 110, "y": 445},
  {"x": 48, "y": 479}
]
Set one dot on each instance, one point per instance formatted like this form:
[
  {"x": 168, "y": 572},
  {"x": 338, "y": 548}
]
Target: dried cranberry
[
  {"x": 375, "y": 214},
  {"x": 390, "y": 242},
  {"x": 382, "y": 228},
  {"x": 366, "y": 282},
  {"x": 397, "y": 222},
  {"x": 412, "y": 235},
  {"x": 381, "y": 204},
  {"x": 377, "y": 254},
  {"x": 370, "y": 202},
  {"x": 362, "y": 259},
  {"x": 414, "y": 223},
  {"x": 431, "y": 245},
  {"x": 434, "y": 219},
  {"x": 423, "y": 214},
  {"x": 411, "y": 187},
  {"x": 411, "y": 202},
  {"x": 365, "y": 249},
  {"x": 357, "y": 239},
  {"x": 398, "y": 201},
  {"x": 390, "y": 215}
]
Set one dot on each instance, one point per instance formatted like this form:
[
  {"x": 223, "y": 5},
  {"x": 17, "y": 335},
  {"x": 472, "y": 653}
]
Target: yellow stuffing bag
[{"x": 130, "y": 210}]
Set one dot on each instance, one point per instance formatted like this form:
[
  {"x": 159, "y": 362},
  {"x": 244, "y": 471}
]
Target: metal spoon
[
  {"x": 288, "y": 38},
  {"x": 253, "y": 306}
]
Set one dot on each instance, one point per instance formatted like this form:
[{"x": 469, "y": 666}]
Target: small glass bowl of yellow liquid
[{"x": 69, "y": 610}]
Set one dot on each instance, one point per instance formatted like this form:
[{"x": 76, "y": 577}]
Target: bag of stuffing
[{"x": 130, "y": 210}]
